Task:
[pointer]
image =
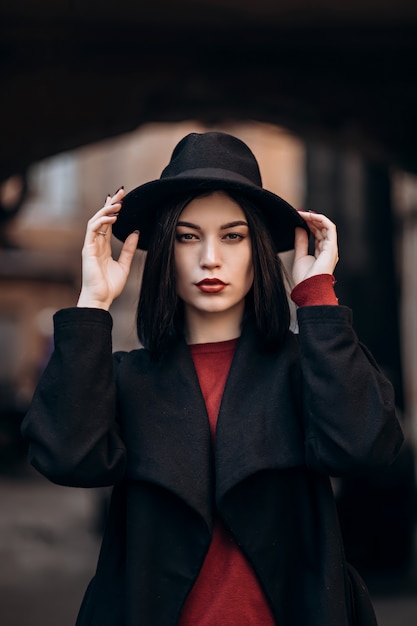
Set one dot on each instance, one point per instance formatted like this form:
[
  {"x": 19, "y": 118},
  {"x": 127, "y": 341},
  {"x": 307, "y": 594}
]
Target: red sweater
[{"x": 227, "y": 591}]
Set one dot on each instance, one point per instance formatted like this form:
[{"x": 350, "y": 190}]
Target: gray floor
[{"x": 48, "y": 550}]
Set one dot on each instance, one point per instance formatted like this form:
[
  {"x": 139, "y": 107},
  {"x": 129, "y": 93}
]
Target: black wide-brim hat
[{"x": 202, "y": 162}]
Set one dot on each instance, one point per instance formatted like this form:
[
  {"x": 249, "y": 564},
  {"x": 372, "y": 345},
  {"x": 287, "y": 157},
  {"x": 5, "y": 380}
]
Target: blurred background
[{"x": 96, "y": 95}]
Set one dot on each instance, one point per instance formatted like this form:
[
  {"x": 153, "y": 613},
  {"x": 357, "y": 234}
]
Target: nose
[{"x": 210, "y": 253}]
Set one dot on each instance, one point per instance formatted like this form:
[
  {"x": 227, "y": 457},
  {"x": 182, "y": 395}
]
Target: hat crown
[
  {"x": 206, "y": 162},
  {"x": 213, "y": 150}
]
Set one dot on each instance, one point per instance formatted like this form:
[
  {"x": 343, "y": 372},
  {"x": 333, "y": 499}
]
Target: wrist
[{"x": 86, "y": 301}]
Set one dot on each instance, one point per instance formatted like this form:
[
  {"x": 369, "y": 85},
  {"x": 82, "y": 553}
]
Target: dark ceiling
[{"x": 84, "y": 71}]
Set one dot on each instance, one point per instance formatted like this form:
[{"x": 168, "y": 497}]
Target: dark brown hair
[{"x": 160, "y": 316}]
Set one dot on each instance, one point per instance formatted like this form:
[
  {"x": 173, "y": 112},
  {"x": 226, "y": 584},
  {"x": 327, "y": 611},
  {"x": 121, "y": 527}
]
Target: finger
[
  {"x": 109, "y": 213},
  {"x": 300, "y": 243},
  {"x": 101, "y": 223},
  {"x": 118, "y": 195},
  {"x": 107, "y": 203},
  {"x": 318, "y": 222},
  {"x": 113, "y": 204},
  {"x": 323, "y": 234},
  {"x": 313, "y": 216},
  {"x": 128, "y": 251},
  {"x": 106, "y": 215}
]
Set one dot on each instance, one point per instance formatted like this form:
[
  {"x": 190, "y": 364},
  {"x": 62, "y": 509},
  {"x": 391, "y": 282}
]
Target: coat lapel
[
  {"x": 259, "y": 425},
  {"x": 168, "y": 439}
]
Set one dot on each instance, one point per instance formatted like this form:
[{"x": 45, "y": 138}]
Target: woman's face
[{"x": 213, "y": 256}]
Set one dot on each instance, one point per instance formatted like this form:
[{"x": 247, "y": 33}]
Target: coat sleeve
[
  {"x": 349, "y": 405},
  {"x": 71, "y": 425}
]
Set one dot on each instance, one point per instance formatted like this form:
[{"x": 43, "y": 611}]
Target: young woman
[{"x": 220, "y": 435}]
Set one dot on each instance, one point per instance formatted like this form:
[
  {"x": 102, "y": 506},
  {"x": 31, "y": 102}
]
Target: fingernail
[
  {"x": 121, "y": 187},
  {"x": 136, "y": 232}
]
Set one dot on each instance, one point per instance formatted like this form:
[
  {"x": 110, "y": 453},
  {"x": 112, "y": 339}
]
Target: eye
[
  {"x": 234, "y": 237},
  {"x": 184, "y": 237}
]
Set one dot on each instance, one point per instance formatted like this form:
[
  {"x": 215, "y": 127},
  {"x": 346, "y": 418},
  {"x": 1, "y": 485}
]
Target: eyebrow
[{"x": 222, "y": 227}]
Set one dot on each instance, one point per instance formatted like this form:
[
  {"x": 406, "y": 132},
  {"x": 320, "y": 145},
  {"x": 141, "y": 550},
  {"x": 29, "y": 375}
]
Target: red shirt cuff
[{"x": 315, "y": 291}]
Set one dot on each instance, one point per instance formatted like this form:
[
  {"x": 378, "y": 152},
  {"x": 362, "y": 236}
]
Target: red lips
[{"x": 211, "y": 285}]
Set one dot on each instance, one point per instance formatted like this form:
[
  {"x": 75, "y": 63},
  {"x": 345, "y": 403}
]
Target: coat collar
[{"x": 170, "y": 444}]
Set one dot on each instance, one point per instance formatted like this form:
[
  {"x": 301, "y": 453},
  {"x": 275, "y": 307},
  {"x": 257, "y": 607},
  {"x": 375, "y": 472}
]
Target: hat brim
[{"x": 140, "y": 206}]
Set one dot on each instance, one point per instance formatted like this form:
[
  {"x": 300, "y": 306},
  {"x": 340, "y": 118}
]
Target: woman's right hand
[{"x": 104, "y": 278}]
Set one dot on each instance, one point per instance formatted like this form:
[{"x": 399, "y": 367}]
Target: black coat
[{"x": 319, "y": 406}]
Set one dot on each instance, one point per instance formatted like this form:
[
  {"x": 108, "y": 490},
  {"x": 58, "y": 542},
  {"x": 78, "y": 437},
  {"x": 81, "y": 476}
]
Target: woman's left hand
[{"x": 325, "y": 247}]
